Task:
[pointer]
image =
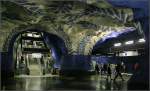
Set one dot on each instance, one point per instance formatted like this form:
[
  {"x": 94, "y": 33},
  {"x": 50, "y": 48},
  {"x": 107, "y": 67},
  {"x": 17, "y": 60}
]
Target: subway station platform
[{"x": 74, "y": 44}]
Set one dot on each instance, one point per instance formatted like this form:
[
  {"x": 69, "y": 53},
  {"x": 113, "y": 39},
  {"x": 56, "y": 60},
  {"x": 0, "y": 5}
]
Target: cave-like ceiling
[{"x": 83, "y": 21}]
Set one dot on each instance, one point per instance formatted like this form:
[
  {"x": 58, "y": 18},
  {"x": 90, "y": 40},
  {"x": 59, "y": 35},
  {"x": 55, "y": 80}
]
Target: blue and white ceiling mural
[{"x": 81, "y": 23}]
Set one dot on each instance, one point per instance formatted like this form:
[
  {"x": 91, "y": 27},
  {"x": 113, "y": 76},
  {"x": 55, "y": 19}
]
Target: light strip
[
  {"x": 141, "y": 40},
  {"x": 129, "y": 42},
  {"x": 117, "y": 44},
  {"x": 29, "y": 34}
]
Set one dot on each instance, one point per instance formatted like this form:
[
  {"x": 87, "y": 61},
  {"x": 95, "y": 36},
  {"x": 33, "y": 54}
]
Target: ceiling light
[
  {"x": 29, "y": 34},
  {"x": 35, "y": 35},
  {"x": 117, "y": 44},
  {"x": 129, "y": 42},
  {"x": 141, "y": 40}
]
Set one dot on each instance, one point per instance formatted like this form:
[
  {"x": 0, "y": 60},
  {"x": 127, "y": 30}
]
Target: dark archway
[{"x": 58, "y": 49}]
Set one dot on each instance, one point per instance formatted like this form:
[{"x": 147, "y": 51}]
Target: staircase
[{"x": 35, "y": 69}]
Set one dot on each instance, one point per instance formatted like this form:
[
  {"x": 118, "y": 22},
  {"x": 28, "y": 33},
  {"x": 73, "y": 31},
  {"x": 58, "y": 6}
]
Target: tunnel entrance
[{"x": 31, "y": 54}]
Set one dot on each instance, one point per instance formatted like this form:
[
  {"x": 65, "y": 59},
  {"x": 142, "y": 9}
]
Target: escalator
[{"x": 31, "y": 54}]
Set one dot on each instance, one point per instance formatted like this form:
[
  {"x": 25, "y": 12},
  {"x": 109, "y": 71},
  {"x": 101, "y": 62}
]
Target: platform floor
[{"x": 51, "y": 82}]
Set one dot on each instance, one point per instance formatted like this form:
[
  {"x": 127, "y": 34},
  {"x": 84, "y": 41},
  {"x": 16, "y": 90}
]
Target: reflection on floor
[
  {"x": 49, "y": 82},
  {"x": 35, "y": 69}
]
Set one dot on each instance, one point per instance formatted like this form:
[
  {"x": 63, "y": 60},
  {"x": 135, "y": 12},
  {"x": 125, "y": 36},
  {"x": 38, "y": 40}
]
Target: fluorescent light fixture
[
  {"x": 35, "y": 35},
  {"x": 29, "y": 34},
  {"x": 117, "y": 44},
  {"x": 141, "y": 40},
  {"x": 36, "y": 55},
  {"x": 129, "y": 42}
]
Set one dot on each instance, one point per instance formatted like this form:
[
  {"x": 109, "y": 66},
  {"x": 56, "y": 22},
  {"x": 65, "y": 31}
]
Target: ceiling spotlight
[
  {"x": 117, "y": 44},
  {"x": 141, "y": 40},
  {"x": 129, "y": 42}
]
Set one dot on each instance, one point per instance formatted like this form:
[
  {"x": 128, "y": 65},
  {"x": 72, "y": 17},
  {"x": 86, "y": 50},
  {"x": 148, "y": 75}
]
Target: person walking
[
  {"x": 118, "y": 72},
  {"x": 105, "y": 68},
  {"x": 109, "y": 72},
  {"x": 97, "y": 69}
]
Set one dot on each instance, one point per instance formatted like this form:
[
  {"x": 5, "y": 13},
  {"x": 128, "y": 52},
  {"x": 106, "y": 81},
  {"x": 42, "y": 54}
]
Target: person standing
[
  {"x": 136, "y": 66},
  {"x": 123, "y": 67},
  {"x": 118, "y": 72}
]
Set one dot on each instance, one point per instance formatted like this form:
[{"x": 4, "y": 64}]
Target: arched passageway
[{"x": 28, "y": 42}]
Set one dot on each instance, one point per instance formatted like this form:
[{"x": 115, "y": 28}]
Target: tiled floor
[{"x": 49, "y": 82}]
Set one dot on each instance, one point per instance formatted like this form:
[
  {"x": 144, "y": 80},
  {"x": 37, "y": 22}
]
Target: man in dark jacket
[
  {"x": 97, "y": 69},
  {"x": 118, "y": 72},
  {"x": 108, "y": 71}
]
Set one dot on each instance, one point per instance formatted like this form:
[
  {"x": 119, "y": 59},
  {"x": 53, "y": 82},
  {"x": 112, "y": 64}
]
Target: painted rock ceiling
[{"x": 83, "y": 22}]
